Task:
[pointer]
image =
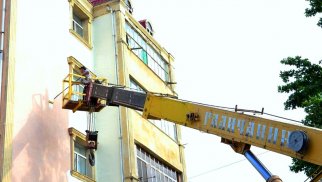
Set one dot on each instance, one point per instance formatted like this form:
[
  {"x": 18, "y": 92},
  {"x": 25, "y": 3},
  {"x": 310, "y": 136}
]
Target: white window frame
[
  {"x": 156, "y": 170},
  {"x": 78, "y": 138},
  {"x": 77, "y": 26},
  {"x": 154, "y": 61}
]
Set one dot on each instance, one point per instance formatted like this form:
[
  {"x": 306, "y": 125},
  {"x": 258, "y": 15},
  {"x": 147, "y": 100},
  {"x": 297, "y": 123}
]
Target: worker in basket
[
  {"x": 87, "y": 81},
  {"x": 88, "y": 84}
]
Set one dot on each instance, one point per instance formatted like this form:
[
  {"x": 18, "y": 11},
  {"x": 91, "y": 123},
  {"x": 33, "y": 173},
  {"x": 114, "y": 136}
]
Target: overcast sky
[{"x": 228, "y": 53}]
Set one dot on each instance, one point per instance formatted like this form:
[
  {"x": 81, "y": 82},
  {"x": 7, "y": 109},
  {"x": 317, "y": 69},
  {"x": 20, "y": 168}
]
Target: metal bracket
[{"x": 251, "y": 111}]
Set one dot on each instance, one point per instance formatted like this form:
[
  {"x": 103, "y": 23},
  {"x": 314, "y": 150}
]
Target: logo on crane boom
[{"x": 246, "y": 128}]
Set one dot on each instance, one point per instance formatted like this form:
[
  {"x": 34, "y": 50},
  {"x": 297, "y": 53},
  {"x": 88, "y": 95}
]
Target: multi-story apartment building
[{"x": 40, "y": 141}]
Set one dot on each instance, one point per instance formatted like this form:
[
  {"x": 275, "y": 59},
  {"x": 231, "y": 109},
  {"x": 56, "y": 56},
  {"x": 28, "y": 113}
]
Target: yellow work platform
[
  {"x": 81, "y": 106},
  {"x": 73, "y": 89}
]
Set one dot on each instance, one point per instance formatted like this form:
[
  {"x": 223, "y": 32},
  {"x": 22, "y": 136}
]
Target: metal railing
[{"x": 73, "y": 87}]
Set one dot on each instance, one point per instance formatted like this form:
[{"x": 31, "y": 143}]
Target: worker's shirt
[{"x": 87, "y": 78}]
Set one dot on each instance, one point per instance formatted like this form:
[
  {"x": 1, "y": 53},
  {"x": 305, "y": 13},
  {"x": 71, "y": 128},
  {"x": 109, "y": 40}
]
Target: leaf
[{"x": 303, "y": 83}]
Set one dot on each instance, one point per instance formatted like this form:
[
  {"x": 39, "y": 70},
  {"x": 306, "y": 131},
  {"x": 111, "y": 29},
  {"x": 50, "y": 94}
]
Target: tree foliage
[
  {"x": 315, "y": 8},
  {"x": 304, "y": 84}
]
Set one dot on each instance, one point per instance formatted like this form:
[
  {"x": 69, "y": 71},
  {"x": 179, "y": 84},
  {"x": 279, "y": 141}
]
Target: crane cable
[{"x": 223, "y": 166}]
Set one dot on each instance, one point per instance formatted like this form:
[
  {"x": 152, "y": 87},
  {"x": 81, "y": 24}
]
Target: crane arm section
[
  {"x": 297, "y": 141},
  {"x": 238, "y": 130},
  {"x": 293, "y": 140}
]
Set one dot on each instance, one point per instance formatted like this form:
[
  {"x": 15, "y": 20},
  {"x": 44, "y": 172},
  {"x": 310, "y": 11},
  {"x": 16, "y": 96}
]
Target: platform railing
[{"x": 73, "y": 89}]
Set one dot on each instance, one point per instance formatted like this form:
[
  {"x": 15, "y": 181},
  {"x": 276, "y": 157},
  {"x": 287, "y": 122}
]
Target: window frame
[
  {"x": 138, "y": 86},
  {"x": 128, "y": 4},
  {"x": 84, "y": 14},
  {"x": 163, "y": 125},
  {"x": 79, "y": 138},
  {"x": 154, "y": 166},
  {"x": 78, "y": 22},
  {"x": 147, "y": 53}
]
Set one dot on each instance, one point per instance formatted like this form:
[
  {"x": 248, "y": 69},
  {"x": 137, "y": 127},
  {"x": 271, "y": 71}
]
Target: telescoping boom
[
  {"x": 297, "y": 141},
  {"x": 238, "y": 130}
]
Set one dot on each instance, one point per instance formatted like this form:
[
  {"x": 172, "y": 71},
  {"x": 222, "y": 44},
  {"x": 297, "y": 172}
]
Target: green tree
[
  {"x": 315, "y": 8},
  {"x": 304, "y": 83}
]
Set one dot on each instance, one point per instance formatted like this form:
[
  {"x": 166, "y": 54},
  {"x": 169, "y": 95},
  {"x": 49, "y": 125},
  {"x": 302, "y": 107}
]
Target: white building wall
[
  {"x": 109, "y": 165},
  {"x": 41, "y": 143}
]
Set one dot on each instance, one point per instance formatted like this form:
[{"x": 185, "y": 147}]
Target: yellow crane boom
[
  {"x": 238, "y": 130},
  {"x": 293, "y": 140}
]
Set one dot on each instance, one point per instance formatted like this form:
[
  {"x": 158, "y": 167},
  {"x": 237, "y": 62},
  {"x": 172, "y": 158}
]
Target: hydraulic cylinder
[{"x": 266, "y": 174}]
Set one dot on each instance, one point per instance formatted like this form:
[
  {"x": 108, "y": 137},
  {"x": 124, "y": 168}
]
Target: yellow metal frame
[
  {"x": 72, "y": 79},
  {"x": 70, "y": 92},
  {"x": 265, "y": 133},
  {"x": 68, "y": 83}
]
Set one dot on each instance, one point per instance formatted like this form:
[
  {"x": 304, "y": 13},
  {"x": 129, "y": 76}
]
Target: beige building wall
[
  {"x": 135, "y": 129},
  {"x": 108, "y": 123}
]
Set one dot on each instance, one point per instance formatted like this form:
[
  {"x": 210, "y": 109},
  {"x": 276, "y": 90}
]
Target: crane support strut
[{"x": 266, "y": 174}]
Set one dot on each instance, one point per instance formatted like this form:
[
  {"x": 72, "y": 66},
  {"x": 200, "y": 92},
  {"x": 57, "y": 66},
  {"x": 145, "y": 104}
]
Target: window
[
  {"x": 149, "y": 28},
  {"x": 81, "y": 22},
  {"x": 80, "y": 160},
  {"x": 147, "y": 25},
  {"x": 135, "y": 86},
  {"x": 146, "y": 53},
  {"x": 129, "y": 6},
  {"x": 151, "y": 169},
  {"x": 78, "y": 25},
  {"x": 81, "y": 169},
  {"x": 166, "y": 126}
]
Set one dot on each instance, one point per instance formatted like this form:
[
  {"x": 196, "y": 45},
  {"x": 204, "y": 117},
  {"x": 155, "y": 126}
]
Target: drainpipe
[
  {"x": 2, "y": 119},
  {"x": 3, "y": 15}
]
